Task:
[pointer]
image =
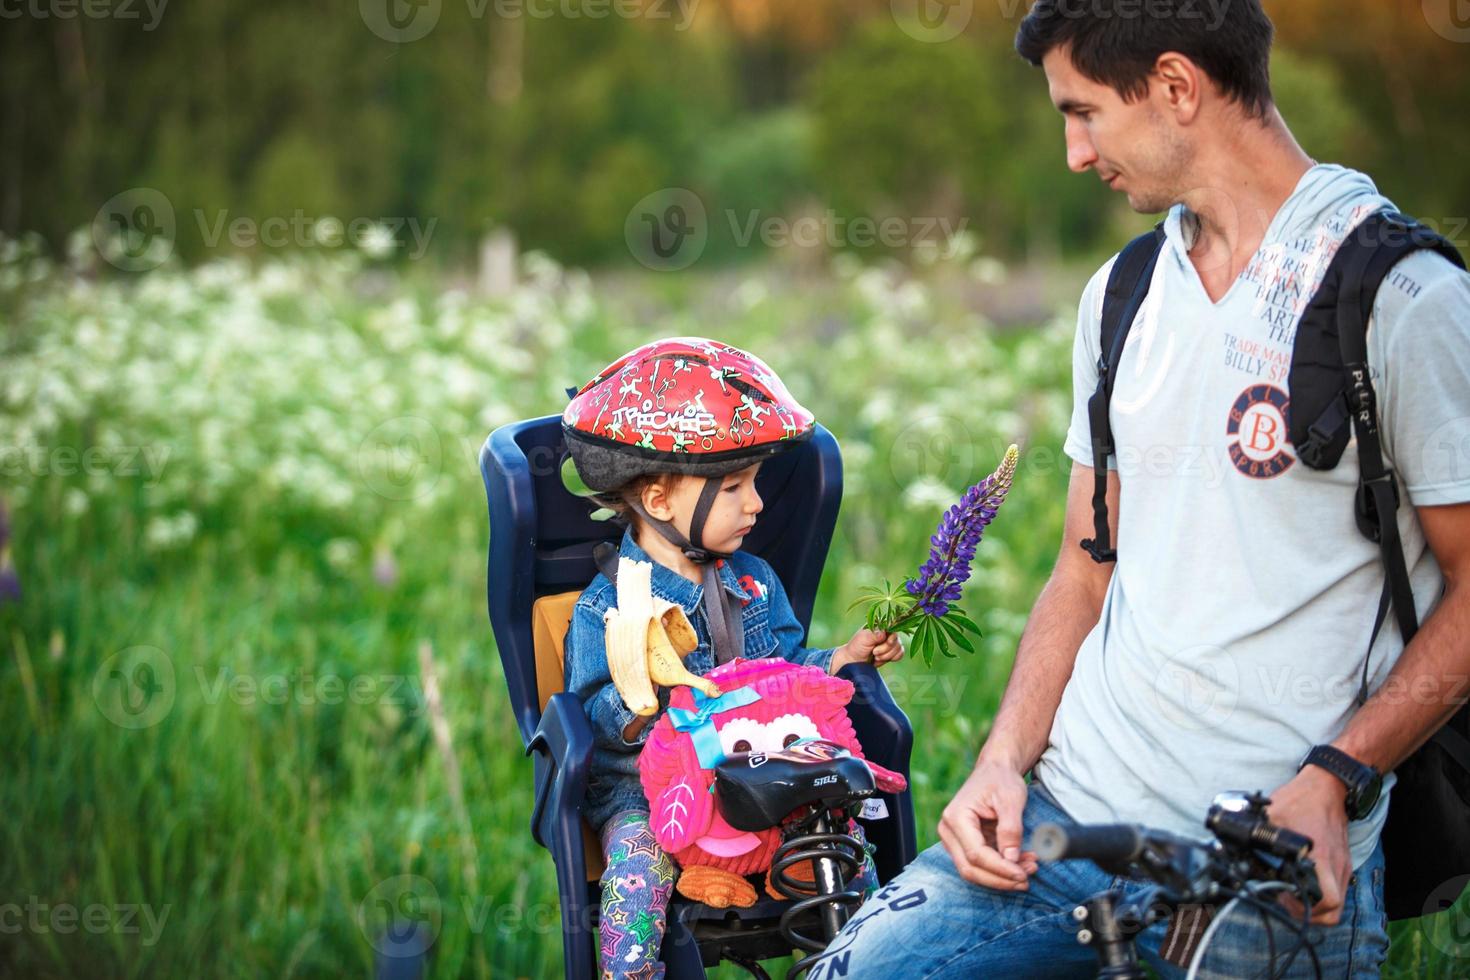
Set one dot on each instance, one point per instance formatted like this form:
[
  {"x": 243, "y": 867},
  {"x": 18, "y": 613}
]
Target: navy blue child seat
[{"x": 541, "y": 541}]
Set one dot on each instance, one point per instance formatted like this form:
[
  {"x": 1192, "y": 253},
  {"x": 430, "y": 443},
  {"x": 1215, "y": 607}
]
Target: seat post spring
[{"x": 836, "y": 859}]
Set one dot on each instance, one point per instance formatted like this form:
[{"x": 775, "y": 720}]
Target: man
[{"x": 1228, "y": 639}]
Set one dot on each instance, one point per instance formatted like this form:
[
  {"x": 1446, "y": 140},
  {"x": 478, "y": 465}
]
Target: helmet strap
[
  {"x": 702, "y": 507},
  {"x": 693, "y": 549},
  {"x": 727, "y": 630}
]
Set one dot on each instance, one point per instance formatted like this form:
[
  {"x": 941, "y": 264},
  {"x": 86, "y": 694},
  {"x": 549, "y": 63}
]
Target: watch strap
[{"x": 1357, "y": 776}]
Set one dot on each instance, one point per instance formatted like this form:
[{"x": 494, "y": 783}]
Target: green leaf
[
  {"x": 962, "y": 620},
  {"x": 957, "y": 634},
  {"x": 572, "y": 480},
  {"x": 922, "y": 646},
  {"x": 943, "y": 643}
]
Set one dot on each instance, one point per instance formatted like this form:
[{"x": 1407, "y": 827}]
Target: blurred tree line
[{"x": 517, "y": 113}]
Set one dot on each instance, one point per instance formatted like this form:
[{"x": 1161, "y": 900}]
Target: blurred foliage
[
  {"x": 1310, "y": 96},
  {"x": 905, "y": 128},
  {"x": 556, "y": 125}
]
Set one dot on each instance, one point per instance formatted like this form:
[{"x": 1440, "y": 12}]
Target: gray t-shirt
[{"x": 1233, "y": 632}]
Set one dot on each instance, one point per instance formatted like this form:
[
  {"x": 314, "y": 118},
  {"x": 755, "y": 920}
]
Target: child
[{"x": 671, "y": 436}]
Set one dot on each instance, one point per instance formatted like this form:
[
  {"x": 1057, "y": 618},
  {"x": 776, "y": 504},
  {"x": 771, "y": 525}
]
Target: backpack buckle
[
  {"x": 1311, "y": 452},
  {"x": 1369, "y": 518}
]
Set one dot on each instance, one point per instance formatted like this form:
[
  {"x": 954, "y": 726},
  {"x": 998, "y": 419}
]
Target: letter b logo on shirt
[{"x": 1258, "y": 423}]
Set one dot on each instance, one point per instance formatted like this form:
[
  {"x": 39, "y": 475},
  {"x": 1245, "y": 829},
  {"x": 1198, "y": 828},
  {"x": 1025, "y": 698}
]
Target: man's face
[{"x": 1134, "y": 146}]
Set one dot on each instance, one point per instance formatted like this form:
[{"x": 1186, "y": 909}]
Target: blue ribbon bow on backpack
[{"x": 699, "y": 724}]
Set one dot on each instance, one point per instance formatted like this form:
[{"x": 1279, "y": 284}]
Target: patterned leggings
[{"x": 636, "y": 887}]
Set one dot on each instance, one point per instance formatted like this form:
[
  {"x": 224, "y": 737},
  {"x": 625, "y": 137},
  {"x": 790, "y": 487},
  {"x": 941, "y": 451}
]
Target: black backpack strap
[
  {"x": 1362, "y": 263},
  {"x": 1320, "y": 387},
  {"x": 605, "y": 557},
  {"x": 1128, "y": 285}
]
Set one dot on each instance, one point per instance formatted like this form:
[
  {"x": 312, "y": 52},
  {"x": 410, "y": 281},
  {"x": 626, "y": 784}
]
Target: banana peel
[{"x": 647, "y": 641}]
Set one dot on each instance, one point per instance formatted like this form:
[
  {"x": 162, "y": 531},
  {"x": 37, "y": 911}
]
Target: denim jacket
[{"x": 771, "y": 630}]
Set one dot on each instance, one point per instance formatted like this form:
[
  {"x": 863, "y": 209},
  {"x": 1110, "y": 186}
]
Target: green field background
[{"x": 313, "y": 510}]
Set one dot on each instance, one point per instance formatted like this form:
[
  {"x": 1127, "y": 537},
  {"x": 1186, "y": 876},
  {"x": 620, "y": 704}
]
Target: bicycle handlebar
[
  {"x": 1248, "y": 851},
  {"x": 1102, "y": 843}
]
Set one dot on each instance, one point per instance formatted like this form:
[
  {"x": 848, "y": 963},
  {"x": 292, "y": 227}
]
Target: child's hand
[{"x": 868, "y": 647}]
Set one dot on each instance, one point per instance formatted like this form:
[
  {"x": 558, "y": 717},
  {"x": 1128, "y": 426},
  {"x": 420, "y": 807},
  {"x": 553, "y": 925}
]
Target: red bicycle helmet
[{"x": 680, "y": 405}]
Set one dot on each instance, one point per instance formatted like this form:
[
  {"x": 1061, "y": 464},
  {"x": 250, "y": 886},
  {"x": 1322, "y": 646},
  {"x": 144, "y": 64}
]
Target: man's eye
[{"x": 732, "y": 488}]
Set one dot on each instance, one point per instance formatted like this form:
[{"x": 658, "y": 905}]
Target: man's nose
[
  {"x": 754, "y": 505},
  {"x": 1080, "y": 153}
]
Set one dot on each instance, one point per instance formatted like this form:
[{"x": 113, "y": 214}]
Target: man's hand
[
  {"x": 868, "y": 647},
  {"x": 981, "y": 829},
  {"x": 1313, "y": 804}
]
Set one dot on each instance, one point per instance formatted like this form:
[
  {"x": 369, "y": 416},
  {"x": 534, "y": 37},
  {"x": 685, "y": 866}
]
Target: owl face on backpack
[{"x": 767, "y": 705}]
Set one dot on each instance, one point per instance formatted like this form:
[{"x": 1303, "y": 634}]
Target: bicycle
[{"x": 1249, "y": 858}]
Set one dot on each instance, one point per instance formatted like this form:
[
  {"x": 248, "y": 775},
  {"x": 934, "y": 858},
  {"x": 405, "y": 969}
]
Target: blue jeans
[{"x": 930, "y": 922}]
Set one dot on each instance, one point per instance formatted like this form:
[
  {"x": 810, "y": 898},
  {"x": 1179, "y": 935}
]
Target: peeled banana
[
  {"x": 647, "y": 639},
  {"x": 627, "y": 637}
]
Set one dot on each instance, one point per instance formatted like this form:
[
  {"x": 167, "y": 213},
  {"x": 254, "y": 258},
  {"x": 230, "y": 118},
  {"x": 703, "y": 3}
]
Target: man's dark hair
[{"x": 1118, "y": 42}]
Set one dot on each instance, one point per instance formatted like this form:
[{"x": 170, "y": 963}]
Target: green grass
[{"x": 274, "y": 835}]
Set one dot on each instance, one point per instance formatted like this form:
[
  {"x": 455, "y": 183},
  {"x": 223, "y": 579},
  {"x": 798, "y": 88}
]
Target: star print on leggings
[
  {"x": 664, "y": 871},
  {"x": 643, "y": 925},
  {"x": 643, "y": 843}
]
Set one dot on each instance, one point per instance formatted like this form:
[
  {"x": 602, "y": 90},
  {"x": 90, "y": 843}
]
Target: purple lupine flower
[
  {"x": 385, "y": 569},
  {"x": 942, "y": 578},
  {"x": 9, "y": 580}
]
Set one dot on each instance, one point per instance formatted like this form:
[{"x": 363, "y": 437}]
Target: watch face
[{"x": 1368, "y": 797}]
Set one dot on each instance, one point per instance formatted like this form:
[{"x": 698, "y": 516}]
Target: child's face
[{"x": 730, "y": 518}]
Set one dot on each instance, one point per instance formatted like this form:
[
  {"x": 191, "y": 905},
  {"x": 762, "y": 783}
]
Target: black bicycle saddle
[{"x": 757, "y": 790}]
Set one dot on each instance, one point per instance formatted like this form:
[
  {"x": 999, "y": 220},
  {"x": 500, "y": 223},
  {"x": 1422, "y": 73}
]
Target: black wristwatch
[{"x": 1364, "y": 783}]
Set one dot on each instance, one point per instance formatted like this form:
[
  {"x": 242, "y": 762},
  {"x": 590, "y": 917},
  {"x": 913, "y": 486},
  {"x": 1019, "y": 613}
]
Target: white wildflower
[
  {"x": 327, "y": 231},
  {"x": 167, "y": 533},
  {"x": 990, "y": 271},
  {"x": 343, "y": 554},
  {"x": 750, "y": 294},
  {"x": 960, "y": 246},
  {"x": 927, "y": 493},
  {"x": 376, "y": 241},
  {"x": 76, "y": 501}
]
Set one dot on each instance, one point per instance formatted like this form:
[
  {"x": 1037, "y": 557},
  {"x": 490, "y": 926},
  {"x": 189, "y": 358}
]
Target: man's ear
[{"x": 1181, "y": 84}]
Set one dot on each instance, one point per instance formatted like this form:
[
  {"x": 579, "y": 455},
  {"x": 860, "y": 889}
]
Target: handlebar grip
[{"x": 1104, "y": 843}]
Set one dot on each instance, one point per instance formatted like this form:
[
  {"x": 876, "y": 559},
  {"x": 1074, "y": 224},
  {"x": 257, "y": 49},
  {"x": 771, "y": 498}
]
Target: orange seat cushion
[{"x": 550, "y": 618}]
